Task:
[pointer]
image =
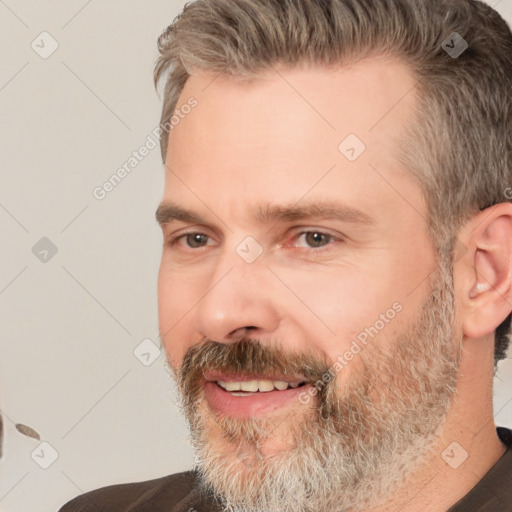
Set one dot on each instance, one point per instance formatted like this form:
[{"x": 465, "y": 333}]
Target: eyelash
[{"x": 174, "y": 241}]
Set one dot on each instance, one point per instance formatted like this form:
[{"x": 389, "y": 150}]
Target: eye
[
  {"x": 191, "y": 240},
  {"x": 315, "y": 239},
  {"x": 310, "y": 240}
]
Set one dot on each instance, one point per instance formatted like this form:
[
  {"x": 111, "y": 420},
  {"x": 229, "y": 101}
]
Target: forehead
[{"x": 279, "y": 136}]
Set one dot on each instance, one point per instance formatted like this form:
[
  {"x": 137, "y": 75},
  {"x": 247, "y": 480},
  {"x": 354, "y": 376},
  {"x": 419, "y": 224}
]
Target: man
[{"x": 336, "y": 280}]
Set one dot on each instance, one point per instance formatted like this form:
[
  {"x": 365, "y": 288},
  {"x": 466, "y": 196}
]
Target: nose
[{"x": 238, "y": 301}]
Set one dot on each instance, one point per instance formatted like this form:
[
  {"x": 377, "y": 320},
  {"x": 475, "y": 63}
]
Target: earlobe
[{"x": 487, "y": 300}]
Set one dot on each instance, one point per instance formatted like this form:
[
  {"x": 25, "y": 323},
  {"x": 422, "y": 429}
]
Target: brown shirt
[{"x": 179, "y": 492}]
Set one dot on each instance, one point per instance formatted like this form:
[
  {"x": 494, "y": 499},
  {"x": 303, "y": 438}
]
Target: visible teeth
[
  {"x": 281, "y": 385},
  {"x": 249, "y": 385},
  {"x": 253, "y": 386},
  {"x": 265, "y": 385},
  {"x": 230, "y": 386}
]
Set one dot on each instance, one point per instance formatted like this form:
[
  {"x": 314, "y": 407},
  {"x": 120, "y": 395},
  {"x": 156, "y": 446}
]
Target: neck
[{"x": 467, "y": 447}]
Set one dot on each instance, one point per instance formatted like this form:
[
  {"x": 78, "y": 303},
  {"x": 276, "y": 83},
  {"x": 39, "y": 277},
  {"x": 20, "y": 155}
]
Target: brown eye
[
  {"x": 316, "y": 239},
  {"x": 195, "y": 240}
]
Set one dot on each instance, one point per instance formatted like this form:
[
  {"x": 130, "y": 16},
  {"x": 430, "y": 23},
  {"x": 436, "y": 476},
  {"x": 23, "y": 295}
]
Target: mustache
[{"x": 244, "y": 356}]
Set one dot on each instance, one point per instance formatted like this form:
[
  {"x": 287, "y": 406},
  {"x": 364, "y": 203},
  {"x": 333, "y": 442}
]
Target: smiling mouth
[
  {"x": 250, "y": 387},
  {"x": 250, "y": 395}
]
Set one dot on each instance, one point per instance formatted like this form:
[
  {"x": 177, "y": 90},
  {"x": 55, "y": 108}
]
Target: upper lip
[{"x": 213, "y": 376}]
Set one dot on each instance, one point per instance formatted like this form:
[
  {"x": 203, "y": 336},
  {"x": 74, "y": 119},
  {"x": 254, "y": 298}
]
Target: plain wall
[{"x": 70, "y": 324}]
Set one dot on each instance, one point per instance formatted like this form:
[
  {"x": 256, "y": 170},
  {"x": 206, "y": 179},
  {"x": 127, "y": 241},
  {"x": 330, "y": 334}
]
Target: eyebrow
[{"x": 271, "y": 213}]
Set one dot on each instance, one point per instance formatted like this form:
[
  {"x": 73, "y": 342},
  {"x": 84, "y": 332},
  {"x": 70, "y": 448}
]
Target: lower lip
[{"x": 254, "y": 404}]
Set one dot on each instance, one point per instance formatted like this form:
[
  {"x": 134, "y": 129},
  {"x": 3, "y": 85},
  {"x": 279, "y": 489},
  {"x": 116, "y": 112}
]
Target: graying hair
[{"x": 459, "y": 146}]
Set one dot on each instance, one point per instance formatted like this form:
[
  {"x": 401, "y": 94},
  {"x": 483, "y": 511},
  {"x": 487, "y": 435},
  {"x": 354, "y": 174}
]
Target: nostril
[{"x": 242, "y": 331}]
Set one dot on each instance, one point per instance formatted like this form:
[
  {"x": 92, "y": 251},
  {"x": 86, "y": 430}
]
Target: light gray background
[{"x": 70, "y": 324}]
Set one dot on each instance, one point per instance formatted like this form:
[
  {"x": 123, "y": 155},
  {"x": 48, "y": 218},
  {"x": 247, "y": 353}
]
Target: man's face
[{"x": 308, "y": 254}]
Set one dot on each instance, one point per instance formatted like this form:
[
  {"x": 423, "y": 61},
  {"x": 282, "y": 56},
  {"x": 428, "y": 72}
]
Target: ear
[{"x": 483, "y": 276}]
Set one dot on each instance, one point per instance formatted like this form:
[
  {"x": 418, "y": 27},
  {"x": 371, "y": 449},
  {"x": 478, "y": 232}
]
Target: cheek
[
  {"x": 177, "y": 296},
  {"x": 349, "y": 310},
  {"x": 334, "y": 305},
  {"x": 179, "y": 289}
]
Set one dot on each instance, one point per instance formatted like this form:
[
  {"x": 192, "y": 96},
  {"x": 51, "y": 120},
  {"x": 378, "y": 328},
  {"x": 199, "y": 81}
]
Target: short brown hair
[{"x": 460, "y": 144}]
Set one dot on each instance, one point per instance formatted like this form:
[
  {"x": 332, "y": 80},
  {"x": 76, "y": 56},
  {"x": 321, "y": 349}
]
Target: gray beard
[{"x": 355, "y": 447}]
